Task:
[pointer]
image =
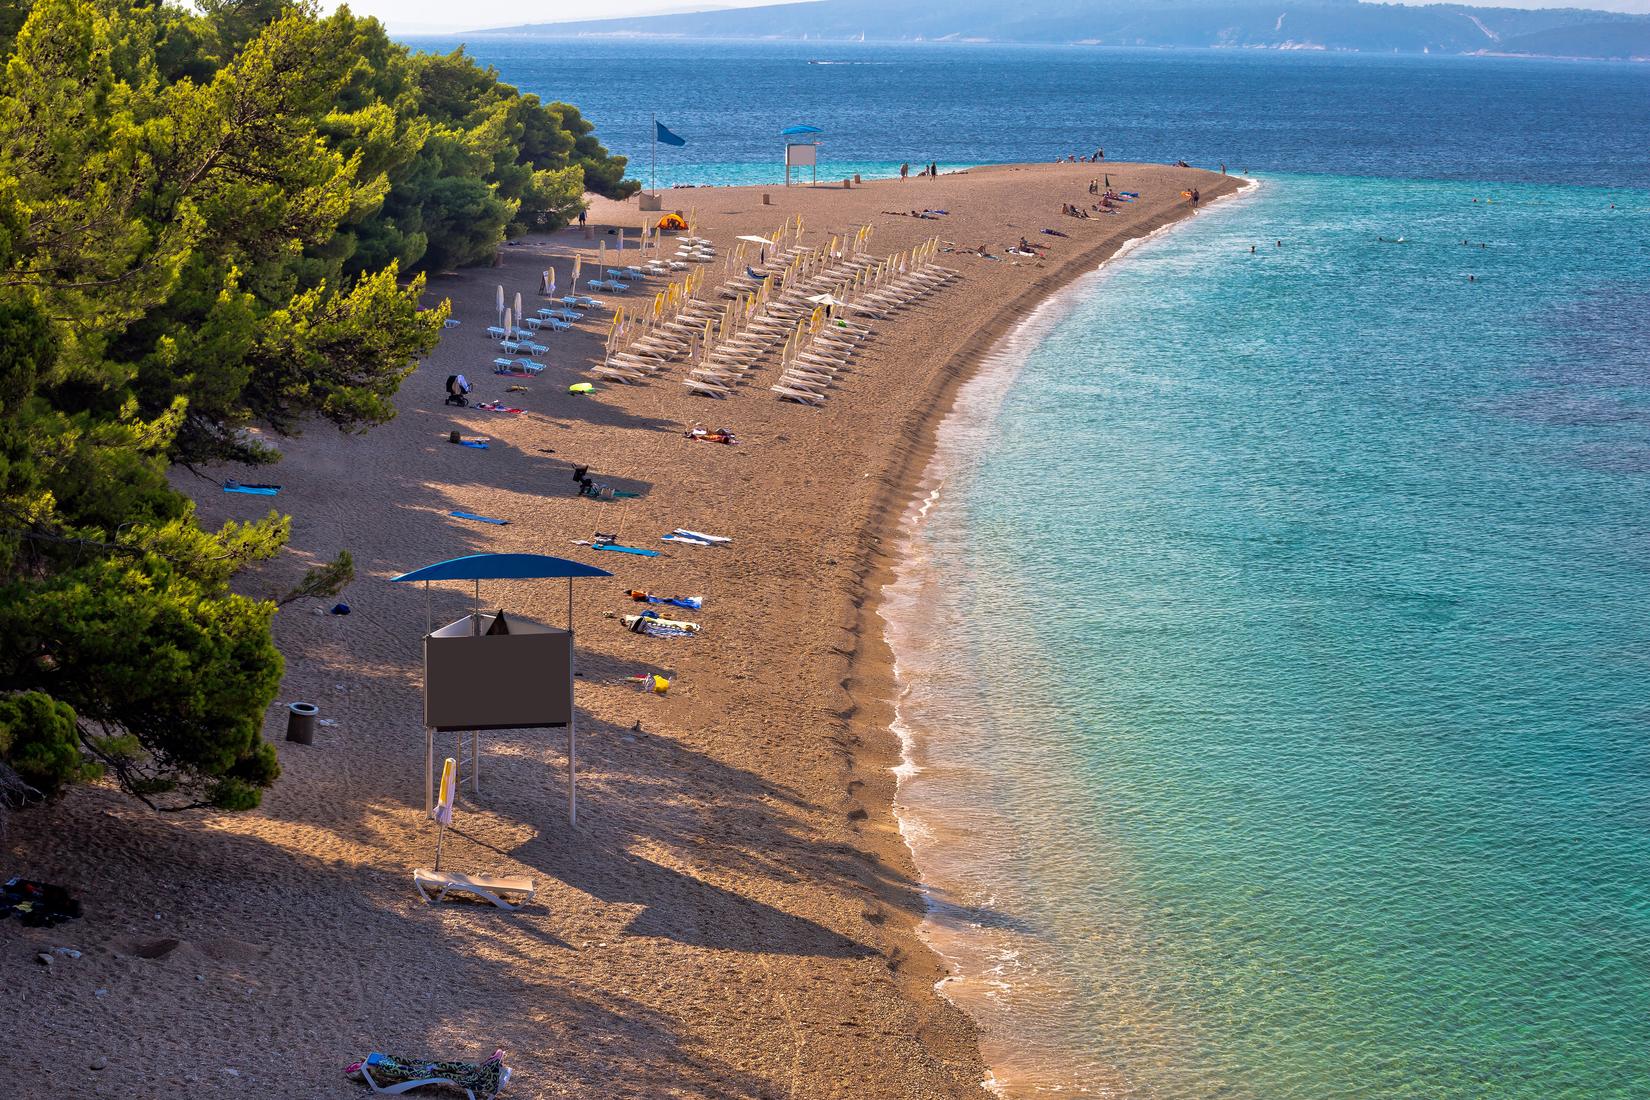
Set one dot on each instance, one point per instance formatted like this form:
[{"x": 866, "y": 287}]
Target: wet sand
[{"x": 736, "y": 914}]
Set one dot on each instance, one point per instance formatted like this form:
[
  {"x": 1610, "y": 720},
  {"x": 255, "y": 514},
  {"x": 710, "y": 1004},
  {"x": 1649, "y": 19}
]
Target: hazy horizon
[{"x": 431, "y": 16}]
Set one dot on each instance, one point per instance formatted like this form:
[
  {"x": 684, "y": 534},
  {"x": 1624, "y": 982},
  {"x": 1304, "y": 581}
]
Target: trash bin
[{"x": 300, "y": 723}]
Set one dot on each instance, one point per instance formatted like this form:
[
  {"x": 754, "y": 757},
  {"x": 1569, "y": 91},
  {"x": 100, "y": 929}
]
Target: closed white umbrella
[
  {"x": 519, "y": 312},
  {"x": 499, "y": 298},
  {"x": 509, "y": 324}
]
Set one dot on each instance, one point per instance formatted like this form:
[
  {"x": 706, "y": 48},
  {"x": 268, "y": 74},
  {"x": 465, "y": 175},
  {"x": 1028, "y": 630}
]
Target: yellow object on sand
[{"x": 660, "y": 684}]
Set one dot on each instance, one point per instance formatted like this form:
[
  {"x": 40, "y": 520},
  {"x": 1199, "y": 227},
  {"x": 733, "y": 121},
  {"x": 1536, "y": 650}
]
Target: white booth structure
[
  {"x": 496, "y": 671},
  {"x": 801, "y": 154}
]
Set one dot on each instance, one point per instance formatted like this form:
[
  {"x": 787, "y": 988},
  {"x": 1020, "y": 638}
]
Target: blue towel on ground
[
  {"x": 251, "y": 490},
  {"x": 471, "y": 443},
  {"x": 616, "y": 548},
  {"x": 479, "y": 519}
]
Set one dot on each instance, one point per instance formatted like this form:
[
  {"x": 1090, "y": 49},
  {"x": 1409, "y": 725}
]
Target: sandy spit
[{"x": 735, "y": 915}]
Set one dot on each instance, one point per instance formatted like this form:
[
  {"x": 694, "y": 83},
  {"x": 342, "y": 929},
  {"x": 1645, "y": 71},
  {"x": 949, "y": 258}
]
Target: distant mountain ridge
[{"x": 1234, "y": 24}]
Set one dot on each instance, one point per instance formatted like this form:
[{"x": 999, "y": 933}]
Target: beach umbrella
[
  {"x": 443, "y": 811},
  {"x": 547, "y": 283},
  {"x": 499, "y": 299},
  {"x": 520, "y": 313},
  {"x": 509, "y": 325},
  {"x": 601, "y": 257},
  {"x": 578, "y": 264}
]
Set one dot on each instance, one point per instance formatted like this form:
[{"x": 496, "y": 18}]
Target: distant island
[{"x": 1346, "y": 25}]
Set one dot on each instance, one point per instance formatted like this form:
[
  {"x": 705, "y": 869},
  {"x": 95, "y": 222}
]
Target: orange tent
[{"x": 672, "y": 222}]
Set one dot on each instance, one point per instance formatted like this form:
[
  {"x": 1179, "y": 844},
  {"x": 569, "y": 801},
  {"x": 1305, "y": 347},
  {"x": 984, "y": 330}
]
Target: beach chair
[
  {"x": 451, "y": 322},
  {"x": 706, "y": 389},
  {"x": 531, "y": 348},
  {"x": 489, "y": 888},
  {"x": 496, "y": 331}
]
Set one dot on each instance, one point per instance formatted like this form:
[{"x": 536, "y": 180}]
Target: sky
[{"x": 436, "y": 16}]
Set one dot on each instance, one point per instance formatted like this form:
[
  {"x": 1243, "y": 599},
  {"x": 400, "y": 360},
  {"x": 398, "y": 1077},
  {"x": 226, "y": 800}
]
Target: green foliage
[
  {"x": 40, "y": 742},
  {"x": 323, "y": 581},
  {"x": 206, "y": 217}
]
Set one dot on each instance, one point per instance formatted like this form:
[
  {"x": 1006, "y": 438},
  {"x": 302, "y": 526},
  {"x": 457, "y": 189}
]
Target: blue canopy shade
[
  {"x": 791, "y": 130},
  {"x": 501, "y": 567}
]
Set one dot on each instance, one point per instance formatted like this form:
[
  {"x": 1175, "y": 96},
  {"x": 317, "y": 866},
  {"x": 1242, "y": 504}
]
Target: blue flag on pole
[{"x": 664, "y": 135}]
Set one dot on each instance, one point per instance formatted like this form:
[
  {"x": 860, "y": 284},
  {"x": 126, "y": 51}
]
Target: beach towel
[
  {"x": 635, "y": 622},
  {"x": 692, "y": 602},
  {"x": 384, "y": 1071},
  {"x": 480, "y": 519},
  {"x": 251, "y": 490},
  {"x": 617, "y": 549},
  {"x": 674, "y": 537},
  {"x": 701, "y": 536},
  {"x": 472, "y": 443},
  {"x": 499, "y": 407}
]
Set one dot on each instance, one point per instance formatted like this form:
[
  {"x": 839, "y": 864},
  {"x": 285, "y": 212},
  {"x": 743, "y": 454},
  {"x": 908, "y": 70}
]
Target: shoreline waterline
[{"x": 975, "y": 963}]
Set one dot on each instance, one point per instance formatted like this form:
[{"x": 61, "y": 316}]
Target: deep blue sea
[{"x": 1274, "y": 631}]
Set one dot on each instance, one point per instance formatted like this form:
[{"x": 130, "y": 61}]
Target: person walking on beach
[
  {"x": 904, "y": 171},
  {"x": 933, "y": 170},
  {"x": 582, "y": 215}
]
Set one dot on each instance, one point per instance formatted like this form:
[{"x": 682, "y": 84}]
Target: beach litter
[{"x": 651, "y": 682}]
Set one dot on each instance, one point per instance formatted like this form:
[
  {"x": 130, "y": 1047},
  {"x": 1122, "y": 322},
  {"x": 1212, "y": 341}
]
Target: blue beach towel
[
  {"x": 472, "y": 443},
  {"x": 479, "y": 519},
  {"x": 251, "y": 490},
  {"x": 617, "y": 549}
]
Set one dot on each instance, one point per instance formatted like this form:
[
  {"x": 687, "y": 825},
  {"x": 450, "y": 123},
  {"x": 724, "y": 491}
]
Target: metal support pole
[
  {"x": 572, "y": 747},
  {"x": 429, "y": 769}
]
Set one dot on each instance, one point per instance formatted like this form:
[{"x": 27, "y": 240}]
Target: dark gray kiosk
[{"x": 494, "y": 670}]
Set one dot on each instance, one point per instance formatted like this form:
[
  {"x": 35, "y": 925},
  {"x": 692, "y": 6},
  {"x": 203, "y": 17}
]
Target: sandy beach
[{"x": 736, "y": 914}]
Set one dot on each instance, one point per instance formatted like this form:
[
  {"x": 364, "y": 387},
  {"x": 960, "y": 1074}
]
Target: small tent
[{"x": 673, "y": 223}]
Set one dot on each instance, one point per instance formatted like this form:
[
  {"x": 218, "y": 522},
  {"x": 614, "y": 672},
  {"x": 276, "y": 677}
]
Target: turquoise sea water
[
  {"x": 1275, "y": 630},
  {"x": 1280, "y": 638}
]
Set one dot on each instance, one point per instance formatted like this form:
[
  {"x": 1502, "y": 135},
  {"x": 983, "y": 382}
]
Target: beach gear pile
[
  {"x": 37, "y": 904},
  {"x": 384, "y": 1072},
  {"x": 720, "y": 435},
  {"x": 693, "y": 603}
]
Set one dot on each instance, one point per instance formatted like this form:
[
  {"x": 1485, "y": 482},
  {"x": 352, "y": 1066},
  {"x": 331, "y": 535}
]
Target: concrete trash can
[{"x": 300, "y": 723}]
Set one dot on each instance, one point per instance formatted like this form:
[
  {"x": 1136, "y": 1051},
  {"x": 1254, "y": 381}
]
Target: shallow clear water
[
  {"x": 1283, "y": 632},
  {"x": 1276, "y": 640}
]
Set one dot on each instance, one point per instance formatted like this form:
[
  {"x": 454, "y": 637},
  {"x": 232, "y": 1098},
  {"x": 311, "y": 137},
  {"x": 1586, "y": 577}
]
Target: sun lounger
[
  {"x": 496, "y": 331},
  {"x": 486, "y": 887},
  {"x": 801, "y": 396},
  {"x": 706, "y": 389}
]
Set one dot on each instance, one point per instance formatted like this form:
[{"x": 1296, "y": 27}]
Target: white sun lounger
[{"x": 486, "y": 887}]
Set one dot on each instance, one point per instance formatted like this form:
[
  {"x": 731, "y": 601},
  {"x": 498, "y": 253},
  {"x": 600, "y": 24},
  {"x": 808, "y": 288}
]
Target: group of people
[
  {"x": 1073, "y": 158},
  {"x": 932, "y": 171}
]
